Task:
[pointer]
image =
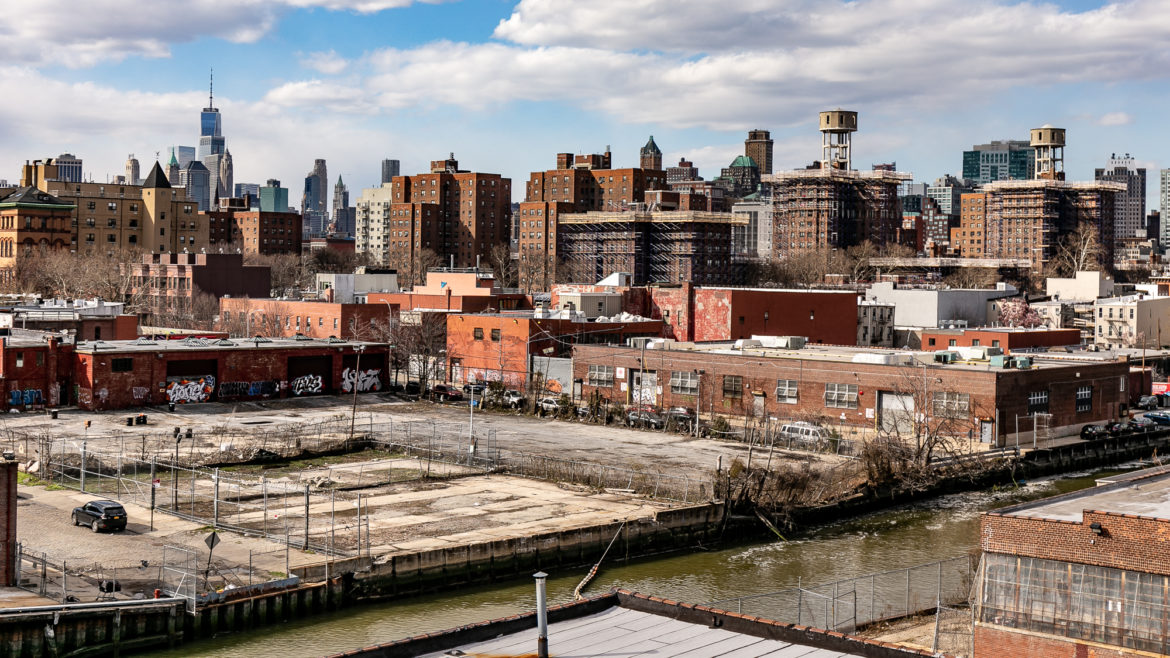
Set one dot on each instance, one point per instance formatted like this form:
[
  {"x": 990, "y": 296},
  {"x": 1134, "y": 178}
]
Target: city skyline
[{"x": 349, "y": 81}]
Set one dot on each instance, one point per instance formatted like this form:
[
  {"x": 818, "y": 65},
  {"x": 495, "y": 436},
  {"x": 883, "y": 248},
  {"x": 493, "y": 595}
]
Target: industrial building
[
  {"x": 831, "y": 206},
  {"x": 1082, "y": 574}
]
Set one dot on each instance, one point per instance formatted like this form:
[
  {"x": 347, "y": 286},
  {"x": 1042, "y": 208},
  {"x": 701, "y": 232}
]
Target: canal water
[{"x": 900, "y": 537}]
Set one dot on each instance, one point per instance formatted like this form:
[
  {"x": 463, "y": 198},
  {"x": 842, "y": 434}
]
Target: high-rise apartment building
[
  {"x": 740, "y": 178},
  {"x": 314, "y": 203},
  {"x": 1131, "y": 205},
  {"x": 68, "y": 167},
  {"x": 255, "y": 231},
  {"x": 758, "y": 147},
  {"x": 1164, "y": 208},
  {"x": 390, "y": 169},
  {"x": 650, "y": 156},
  {"x": 132, "y": 171},
  {"x": 446, "y": 217},
  {"x": 831, "y": 206},
  {"x": 109, "y": 217},
  {"x": 999, "y": 160},
  {"x": 685, "y": 171},
  {"x": 947, "y": 192}
]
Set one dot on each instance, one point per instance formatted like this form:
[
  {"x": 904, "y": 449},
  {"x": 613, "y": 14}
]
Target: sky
[{"x": 507, "y": 84}]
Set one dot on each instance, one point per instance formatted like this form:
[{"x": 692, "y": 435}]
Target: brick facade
[
  {"x": 997, "y": 642},
  {"x": 256, "y": 232},
  {"x": 1008, "y": 339},
  {"x": 289, "y": 318}
]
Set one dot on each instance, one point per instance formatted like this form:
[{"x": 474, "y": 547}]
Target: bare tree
[
  {"x": 972, "y": 277},
  {"x": 535, "y": 271},
  {"x": 422, "y": 340},
  {"x": 1078, "y": 251},
  {"x": 504, "y": 268}
]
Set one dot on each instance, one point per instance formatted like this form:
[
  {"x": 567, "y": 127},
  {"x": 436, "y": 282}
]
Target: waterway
[{"x": 900, "y": 537}]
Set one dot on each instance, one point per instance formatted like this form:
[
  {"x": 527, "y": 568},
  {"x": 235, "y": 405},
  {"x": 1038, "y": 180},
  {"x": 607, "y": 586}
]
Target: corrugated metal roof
[{"x": 627, "y": 633}]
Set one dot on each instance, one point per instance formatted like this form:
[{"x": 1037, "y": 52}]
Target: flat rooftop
[
  {"x": 1145, "y": 493},
  {"x": 217, "y": 344}
]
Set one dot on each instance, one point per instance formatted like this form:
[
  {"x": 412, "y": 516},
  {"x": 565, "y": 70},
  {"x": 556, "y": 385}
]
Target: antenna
[{"x": 211, "y": 89}]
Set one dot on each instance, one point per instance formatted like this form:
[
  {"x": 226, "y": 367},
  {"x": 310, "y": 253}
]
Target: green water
[{"x": 896, "y": 538}]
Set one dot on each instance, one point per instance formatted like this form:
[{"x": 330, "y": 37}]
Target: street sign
[
  {"x": 156, "y": 483},
  {"x": 212, "y": 541}
]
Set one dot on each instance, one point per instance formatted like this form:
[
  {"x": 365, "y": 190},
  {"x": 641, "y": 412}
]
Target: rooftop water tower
[
  {"x": 1049, "y": 145},
  {"x": 836, "y": 127}
]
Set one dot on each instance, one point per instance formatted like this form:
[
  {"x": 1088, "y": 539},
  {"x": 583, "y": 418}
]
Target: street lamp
[{"x": 356, "y": 376}]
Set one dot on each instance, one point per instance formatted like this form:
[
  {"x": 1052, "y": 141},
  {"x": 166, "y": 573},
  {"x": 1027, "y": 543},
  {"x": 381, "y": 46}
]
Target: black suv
[{"x": 101, "y": 515}]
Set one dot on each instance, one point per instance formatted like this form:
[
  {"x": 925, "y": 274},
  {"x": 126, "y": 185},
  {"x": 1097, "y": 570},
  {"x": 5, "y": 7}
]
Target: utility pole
[{"x": 356, "y": 378}]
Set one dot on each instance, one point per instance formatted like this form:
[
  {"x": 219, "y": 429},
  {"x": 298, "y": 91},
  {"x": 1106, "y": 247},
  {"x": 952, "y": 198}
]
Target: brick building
[
  {"x": 85, "y": 319},
  {"x": 36, "y": 371},
  {"x": 1007, "y": 338},
  {"x": 153, "y": 216},
  {"x": 31, "y": 222},
  {"x": 819, "y": 210},
  {"x": 854, "y": 387},
  {"x": 1081, "y": 574},
  {"x": 173, "y": 281},
  {"x": 655, "y": 247},
  {"x": 968, "y": 239},
  {"x": 243, "y": 316},
  {"x": 704, "y": 314},
  {"x": 122, "y": 374},
  {"x": 255, "y": 231},
  {"x": 500, "y": 347},
  {"x": 458, "y": 291},
  {"x": 448, "y": 216}
]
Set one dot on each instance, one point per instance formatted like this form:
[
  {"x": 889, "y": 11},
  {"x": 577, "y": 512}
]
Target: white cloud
[
  {"x": 329, "y": 63},
  {"x": 1115, "y": 119},
  {"x": 691, "y": 64},
  {"x": 88, "y": 33},
  {"x": 320, "y": 94}
]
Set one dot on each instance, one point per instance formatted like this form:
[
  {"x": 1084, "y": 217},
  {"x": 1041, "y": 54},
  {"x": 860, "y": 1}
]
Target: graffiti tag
[
  {"x": 139, "y": 393},
  {"x": 55, "y": 393},
  {"x": 367, "y": 380},
  {"x": 249, "y": 389},
  {"x": 306, "y": 384},
  {"x": 27, "y": 396},
  {"x": 185, "y": 390}
]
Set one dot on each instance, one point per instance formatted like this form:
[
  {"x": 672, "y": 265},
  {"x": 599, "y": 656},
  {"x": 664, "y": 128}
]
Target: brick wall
[
  {"x": 1127, "y": 542},
  {"x": 7, "y": 523},
  {"x": 999, "y": 642}
]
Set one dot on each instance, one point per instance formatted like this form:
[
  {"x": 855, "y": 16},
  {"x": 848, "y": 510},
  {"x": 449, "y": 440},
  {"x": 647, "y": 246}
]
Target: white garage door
[{"x": 896, "y": 412}]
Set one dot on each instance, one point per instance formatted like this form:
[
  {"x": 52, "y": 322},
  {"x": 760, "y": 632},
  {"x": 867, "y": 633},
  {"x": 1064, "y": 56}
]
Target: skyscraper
[
  {"x": 389, "y": 170},
  {"x": 758, "y": 147},
  {"x": 225, "y": 178},
  {"x": 1130, "y": 205},
  {"x": 132, "y": 171},
  {"x": 173, "y": 168},
  {"x": 197, "y": 180},
  {"x": 650, "y": 157},
  {"x": 68, "y": 168},
  {"x": 273, "y": 197},
  {"x": 1164, "y": 208},
  {"x": 212, "y": 146},
  {"x": 314, "y": 203},
  {"x": 342, "y": 213},
  {"x": 186, "y": 154},
  {"x": 1000, "y": 160}
]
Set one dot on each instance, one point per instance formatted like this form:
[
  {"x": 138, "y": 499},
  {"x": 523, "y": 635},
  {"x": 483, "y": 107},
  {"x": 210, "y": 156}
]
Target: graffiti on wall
[
  {"x": 367, "y": 380},
  {"x": 190, "y": 389},
  {"x": 18, "y": 397},
  {"x": 249, "y": 389},
  {"x": 306, "y": 385},
  {"x": 139, "y": 393},
  {"x": 55, "y": 393}
]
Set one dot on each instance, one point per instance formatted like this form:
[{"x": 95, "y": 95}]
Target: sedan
[
  {"x": 101, "y": 515},
  {"x": 475, "y": 389},
  {"x": 549, "y": 405},
  {"x": 639, "y": 418},
  {"x": 445, "y": 392},
  {"x": 1158, "y": 417}
]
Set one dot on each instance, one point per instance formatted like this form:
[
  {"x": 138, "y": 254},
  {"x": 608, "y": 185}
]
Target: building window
[
  {"x": 1084, "y": 398},
  {"x": 841, "y": 396},
  {"x": 20, "y": 359},
  {"x": 121, "y": 365},
  {"x": 952, "y": 405},
  {"x": 477, "y": 333},
  {"x": 496, "y": 335},
  {"x": 684, "y": 382},
  {"x": 975, "y": 343},
  {"x": 951, "y": 343},
  {"x": 1038, "y": 402},
  {"x": 930, "y": 342},
  {"x": 732, "y": 386},
  {"x": 995, "y": 343},
  {"x": 600, "y": 376},
  {"x": 786, "y": 391}
]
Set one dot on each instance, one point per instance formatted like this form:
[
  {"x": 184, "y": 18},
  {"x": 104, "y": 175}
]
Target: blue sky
[{"x": 507, "y": 84}]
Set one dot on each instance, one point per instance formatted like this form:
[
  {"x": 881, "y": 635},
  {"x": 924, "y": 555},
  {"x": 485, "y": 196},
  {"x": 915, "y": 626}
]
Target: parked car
[
  {"x": 1115, "y": 428},
  {"x": 639, "y": 418},
  {"x": 680, "y": 417},
  {"x": 1090, "y": 432},
  {"x": 1158, "y": 417},
  {"x": 446, "y": 392},
  {"x": 101, "y": 515},
  {"x": 1147, "y": 402},
  {"x": 476, "y": 389},
  {"x": 513, "y": 398},
  {"x": 805, "y": 433},
  {"x": 1140, "y": 424},
  {"x": 412, "y": 388},
  {"x": 549, "y": 405}
]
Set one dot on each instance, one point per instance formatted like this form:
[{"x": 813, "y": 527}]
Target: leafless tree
[
  {"x": 1078, "y": 251},
  {"x": 535, "y": 271},
  {"x": 504, "y": 268},
  {"x": 972, "y": 277}
]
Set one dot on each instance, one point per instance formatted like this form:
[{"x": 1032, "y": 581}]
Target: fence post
[
  {"x": 939, "y": 595},
  {"x": 215, "y": 501},
  {"x": 306, "y": 517},
  {"x": 872, "y": 614},
  {"x": 83, "y": 446},
  {"x": 906, "y": 610},
  {"x": 64, "y": 582},
  {"x": 799, "y": 601}
]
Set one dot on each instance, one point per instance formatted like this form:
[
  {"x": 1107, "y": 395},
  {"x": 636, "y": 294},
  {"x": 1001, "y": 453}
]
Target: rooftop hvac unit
[
  {"x": 1023, "y": 362},
  {"x": 1000, "y": 361}
]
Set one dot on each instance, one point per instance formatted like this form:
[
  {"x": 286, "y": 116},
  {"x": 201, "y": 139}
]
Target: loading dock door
[
  {"x": 310, "y": 375},
  {"x": 896, "y": 412}
]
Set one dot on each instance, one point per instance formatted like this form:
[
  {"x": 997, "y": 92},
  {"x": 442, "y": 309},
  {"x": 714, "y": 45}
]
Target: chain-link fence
[
  {"x": 847, "y": 604},
  {"x": 953, "y": 631}
]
